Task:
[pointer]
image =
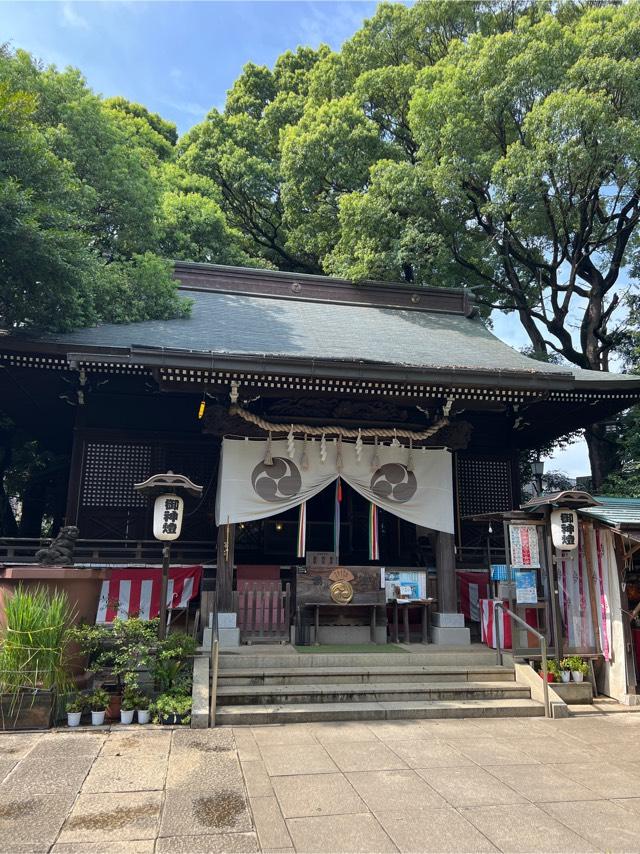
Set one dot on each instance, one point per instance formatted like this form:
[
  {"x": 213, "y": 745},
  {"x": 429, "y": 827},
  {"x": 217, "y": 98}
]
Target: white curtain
[{"x": 419, "y": 490}]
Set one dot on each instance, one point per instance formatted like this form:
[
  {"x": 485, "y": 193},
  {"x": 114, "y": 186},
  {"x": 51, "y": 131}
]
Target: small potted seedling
[
  {"x": 75, "y": 707},
  {"x": 552, "y": 671},
  {"x": 565, "y": 670},
  {"x": 98, "y": 702},
  {"x": 144, "y": 713},
  {"x": 128, "y": 706},
  {"x": 579, "y": 668}
]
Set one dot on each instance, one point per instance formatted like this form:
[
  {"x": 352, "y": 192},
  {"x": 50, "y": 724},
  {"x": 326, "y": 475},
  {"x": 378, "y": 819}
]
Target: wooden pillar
[
  {"x": 75, "y": 469},
  {"x": 446, "y": 573},
  {"x": 224, "y": 566}
]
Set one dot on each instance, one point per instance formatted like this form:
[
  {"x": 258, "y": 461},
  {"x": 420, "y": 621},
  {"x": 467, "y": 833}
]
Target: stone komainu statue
[{"x": 60, "y": 552}]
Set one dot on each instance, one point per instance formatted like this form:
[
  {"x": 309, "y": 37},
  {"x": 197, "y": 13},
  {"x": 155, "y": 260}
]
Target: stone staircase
[{"x": 261, "y": 688}]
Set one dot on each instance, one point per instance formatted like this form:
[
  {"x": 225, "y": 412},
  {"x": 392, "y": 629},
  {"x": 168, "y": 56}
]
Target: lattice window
[
  {"x": 484, "y": 485},
  {"x": 109, "y": 472}
]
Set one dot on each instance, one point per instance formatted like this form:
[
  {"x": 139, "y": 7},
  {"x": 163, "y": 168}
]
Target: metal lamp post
[
  {"x": 168, "y": 490},
  {"x": 537, "y": 470}
]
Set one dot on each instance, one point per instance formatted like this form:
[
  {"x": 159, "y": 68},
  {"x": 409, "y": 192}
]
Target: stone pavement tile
[
  {"x": 591, "y": 730},
  {"x": 32, "y": 820},
  {"x": 285, "y": 734},
  {"x": 69, "y": 744},
  {"x": 400, "y": 730},
  {"x": 256, "y": 778},
  {"x": 524, "y": 828},
  {"x": 446, "y": 730},
  {"x": 394, "y": 790},
  {"x": 343, "y": 731},
  {"x": 220, "y": 843},
  {"x": 417, "y": 828},
  {"x": 246, "y": 744},
  {"x": 9, "y": 847},
  {"x": 131, "y": 846},
  {"x": 609, "y": 780},
  {"x": 364, "y": 756},
  {"x": 196, "y": 771},
  {"x": 138, "y": 742},
  {"x": 16, "y": 745},
  {"x": 631, "y": 804},
  {"x": 270, "y": 826},
  {"x": 429, "y": 754},
  {"x": 603, "y": 823},
  {"x": 5, "y": 766},
  {"x": 506, "y": 727},
  {"x": 113, "y": 817},
  {"x": 216, "y": 740},
  {"x": 493, "y": 751},
  {"x": 469, "y": 786},
  {"x": 316, "y": 794},
  {"x": 542, "y": 783},
  {"x": 297, "y": 759},
  {"x": 203, "y": 813},
  {"x": 337, "y": 834},
  {"x": 126, "y": 774},
  {"x": 552, "y": 751},
  {"x": 38, "y": 776}
]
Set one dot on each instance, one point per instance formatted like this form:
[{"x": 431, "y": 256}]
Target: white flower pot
[
  {"x": 73, "y": 718},
  {"x": 565, "y": 675},
  {"x": 126, "y": 716},
  {"x": 577, "y": 676},
  {"x": 143, "y": 716},
  {"x": 97, "y": 718}
]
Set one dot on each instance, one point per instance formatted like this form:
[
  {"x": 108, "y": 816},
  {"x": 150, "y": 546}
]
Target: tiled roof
[
  {"x": 618, "y": 512},
  {"x": 245, "y": 324}
]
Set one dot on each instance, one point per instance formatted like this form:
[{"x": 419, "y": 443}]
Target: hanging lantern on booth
[{"x": 564, "y": 529}]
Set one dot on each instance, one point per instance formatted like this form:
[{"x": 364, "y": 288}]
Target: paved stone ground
[{"x": 484, "y": 785}]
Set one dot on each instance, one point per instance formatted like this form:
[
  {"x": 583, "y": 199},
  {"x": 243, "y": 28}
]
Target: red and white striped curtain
[{"x": 135, "y": 591}]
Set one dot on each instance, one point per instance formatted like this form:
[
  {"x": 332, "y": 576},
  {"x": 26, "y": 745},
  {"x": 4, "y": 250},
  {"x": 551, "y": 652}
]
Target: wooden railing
[{"x": 106, "y": 552}]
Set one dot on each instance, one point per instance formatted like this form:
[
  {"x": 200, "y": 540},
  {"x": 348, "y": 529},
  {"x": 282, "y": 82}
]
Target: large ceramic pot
[{"x": 27, "y": 710}]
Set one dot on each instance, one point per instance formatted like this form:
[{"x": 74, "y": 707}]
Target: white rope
[{"x": 343, "y": 432}]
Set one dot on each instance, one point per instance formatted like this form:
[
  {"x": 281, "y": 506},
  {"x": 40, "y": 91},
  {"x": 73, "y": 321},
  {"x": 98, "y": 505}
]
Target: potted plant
[
  {"x": 75, "y": 707},
  {"x": 130, "y": 700},
  {"x": 578, "y": 666},
  {"x": 98, "y": 702},
  {"x": 143, "y": 708},
  {"x": 565, "y": 670},
  {"x": 34, "y": 660},
  {"x": 552, "y": 671},
  {"x": 173, "y": 708}
]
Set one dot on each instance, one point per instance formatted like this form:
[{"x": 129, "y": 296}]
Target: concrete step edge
[
  {"x": 310, "y": 712},
  {"x": 372, "y": 688}
]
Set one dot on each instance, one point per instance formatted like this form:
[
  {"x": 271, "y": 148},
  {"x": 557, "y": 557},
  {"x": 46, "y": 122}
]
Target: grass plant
[{"x": 33, "y": 642}]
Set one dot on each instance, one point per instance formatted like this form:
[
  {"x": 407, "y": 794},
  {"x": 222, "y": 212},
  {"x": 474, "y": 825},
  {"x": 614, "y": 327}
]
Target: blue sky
[
  {"x": 177, "y": 58},
  {"x": 180, "y": 58}
]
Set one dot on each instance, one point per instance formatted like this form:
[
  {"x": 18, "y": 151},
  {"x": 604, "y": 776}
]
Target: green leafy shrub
[
  {"x": 575, "y": 663},
  {"x": 78, "y": 703},
  {"x": 99, "y": 700},
  {"x": 172, "y": 707}
]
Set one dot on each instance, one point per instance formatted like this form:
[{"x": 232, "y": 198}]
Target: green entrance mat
[{"x": 326, "y": 648}]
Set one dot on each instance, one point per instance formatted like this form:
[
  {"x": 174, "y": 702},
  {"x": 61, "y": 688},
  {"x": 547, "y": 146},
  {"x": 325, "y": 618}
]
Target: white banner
[{"x": 248, "y": 489}]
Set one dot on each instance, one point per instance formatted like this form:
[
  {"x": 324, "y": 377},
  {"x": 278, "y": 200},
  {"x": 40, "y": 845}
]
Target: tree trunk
[
  {"x": 8, "y": 524},
  {"x": 603, "y": 454},
  {"x": 33, "y": 507}
]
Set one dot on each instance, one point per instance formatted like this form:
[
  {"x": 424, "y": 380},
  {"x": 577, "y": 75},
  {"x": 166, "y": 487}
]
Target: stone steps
[
  {"x": 372, "y": 692},
  {"x": 255, "y": 686},
  {"x": 335, "y": 675},
  {"x": 253, "y": 715},
  {"x": 289, "y": 658}
]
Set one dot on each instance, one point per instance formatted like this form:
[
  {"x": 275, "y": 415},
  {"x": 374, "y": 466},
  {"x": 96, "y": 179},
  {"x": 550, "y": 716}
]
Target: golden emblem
[
  {"x": 340, "y": 573},
  {"x": 341, "y": 592}
]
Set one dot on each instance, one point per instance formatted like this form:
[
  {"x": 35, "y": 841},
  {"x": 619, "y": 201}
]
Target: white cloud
[{"x": 72, "y": 18}]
